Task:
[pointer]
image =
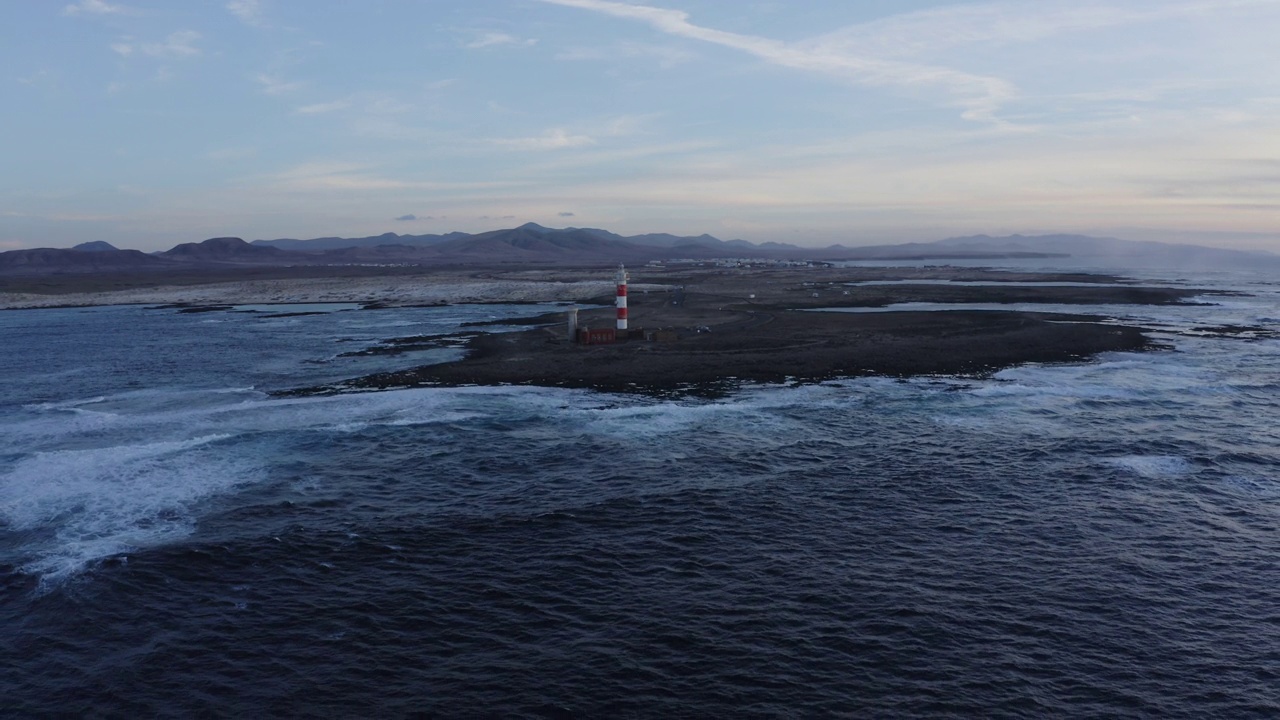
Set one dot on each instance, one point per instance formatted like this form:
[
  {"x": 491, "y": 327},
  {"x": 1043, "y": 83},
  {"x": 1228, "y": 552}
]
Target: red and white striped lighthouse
[{"x": 622, "y": 298}]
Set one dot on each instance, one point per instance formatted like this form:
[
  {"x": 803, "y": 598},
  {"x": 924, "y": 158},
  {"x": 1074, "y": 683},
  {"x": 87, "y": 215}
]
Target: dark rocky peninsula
[{"x": 722, "y": 327}]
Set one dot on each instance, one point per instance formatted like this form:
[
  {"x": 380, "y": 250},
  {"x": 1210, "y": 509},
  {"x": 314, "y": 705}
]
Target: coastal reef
[{"x": 707, "y": 332}]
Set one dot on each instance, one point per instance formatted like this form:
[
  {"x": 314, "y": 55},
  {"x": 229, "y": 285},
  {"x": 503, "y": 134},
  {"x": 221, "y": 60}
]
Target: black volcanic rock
[{"x": 95, "y": 246}]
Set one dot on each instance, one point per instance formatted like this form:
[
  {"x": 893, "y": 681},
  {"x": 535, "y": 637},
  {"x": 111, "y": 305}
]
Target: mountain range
[
  {"x": 533, "y": 244},
  {"x": 529, "y": 234}
]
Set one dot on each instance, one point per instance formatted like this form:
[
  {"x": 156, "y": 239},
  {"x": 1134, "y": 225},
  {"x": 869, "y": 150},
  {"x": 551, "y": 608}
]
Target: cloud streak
[
  {"x": 980, "y": 96},
  {"x": 275, "y": 85},
  {"x": 993, "y": 24},
  {"x": 322, "y": 108},
  {"x": 248, "y": 12},
  {"x": 179, "y": 44},
  {"x": 666, "y": 57},
  {"x": 92, "y": 7},
  {"x": 495, "y": 39},
  {"x": 556, "y": 139}
]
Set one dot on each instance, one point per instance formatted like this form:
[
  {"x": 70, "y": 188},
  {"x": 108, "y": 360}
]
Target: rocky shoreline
[
  {"x": 796, "y": 347},
  {"x": 438, "y": 289},
  {"x": 400, "y": 287},
  {"x": 724, "y": 326},
  {"x": 722, "y": 334}
]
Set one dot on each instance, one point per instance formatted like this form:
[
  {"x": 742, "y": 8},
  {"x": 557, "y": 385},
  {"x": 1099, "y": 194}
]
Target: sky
[{"x": 147, "y": 123}]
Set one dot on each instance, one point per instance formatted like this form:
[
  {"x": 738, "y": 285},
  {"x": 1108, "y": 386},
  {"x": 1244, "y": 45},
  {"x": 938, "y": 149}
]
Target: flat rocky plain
[{"x": 761, "y": 324}]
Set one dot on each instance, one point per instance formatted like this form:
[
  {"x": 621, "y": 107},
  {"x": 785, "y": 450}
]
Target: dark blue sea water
[{"x": 1088, "y": 540}]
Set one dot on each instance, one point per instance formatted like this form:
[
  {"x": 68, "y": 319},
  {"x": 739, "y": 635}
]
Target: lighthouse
[{"x": 622, "y": 298}]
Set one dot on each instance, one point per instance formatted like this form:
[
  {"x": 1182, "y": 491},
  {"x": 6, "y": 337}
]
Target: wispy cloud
[
  {"x": 322, "y": 108},
  {"x": 275, "y": 85},
  {"x": 495, "y": 39},
  {"x": 326, "y": 176},
  {"x": 38, "y": 77},
  {"x": 248, "y": 12},
  {"x": 981, "y": 96},
  {"x": 625, "y": 125},
  {"x": 93, "y": 7},
  {"x": 556, "y": 139},
  {"x": 407, "y": 218},
  {"x": 333, "y": 176},
  {"x": 179, "y": 44},
  {"x": 587, "y": 134},
  {"x": 566, "y": 214},
  {"x": 231, "y": 153},
  {"x": 997, "y": 23},
  {"x": 667, "y": 57}
]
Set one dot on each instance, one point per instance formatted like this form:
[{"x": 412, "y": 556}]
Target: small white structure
[{"x": 573, "y": 324}]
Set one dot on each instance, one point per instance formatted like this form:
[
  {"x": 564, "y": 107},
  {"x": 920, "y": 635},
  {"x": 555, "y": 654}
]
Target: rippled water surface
[{"x": 1096, "y": 539}]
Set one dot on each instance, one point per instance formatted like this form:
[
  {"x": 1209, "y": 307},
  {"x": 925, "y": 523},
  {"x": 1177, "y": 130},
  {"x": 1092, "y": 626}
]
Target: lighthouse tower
[{"x": 622, "y": 298}]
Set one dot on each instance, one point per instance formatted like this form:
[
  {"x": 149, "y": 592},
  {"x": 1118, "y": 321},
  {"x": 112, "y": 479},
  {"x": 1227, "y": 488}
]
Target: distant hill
[
  {"x": 921, "y": 251},
  {"x": 229, "y": 250},
  {"x": 533, "y": 239},
  {"x": 667, "y": 240},
  {"x": 1117, "y": 252},
  {"x": 534, "y": 244},
  {"x": 95, "y": 246},
  {"x": 338, "y": 243},
  {"x": 1081, "y": 250},
  {"x": 40, "y": 261},
  {"x": 377, "y": 254},
  {"x": 530, "y": 242},
  {"x": 534, "y": 234}
]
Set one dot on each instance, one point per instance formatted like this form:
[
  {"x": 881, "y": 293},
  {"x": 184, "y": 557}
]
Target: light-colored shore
[{"x": 389, "y": 291}]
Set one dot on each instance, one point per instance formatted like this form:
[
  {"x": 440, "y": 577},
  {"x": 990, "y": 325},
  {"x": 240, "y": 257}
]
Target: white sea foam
[
  {"x": 1115, "y": 376},
  {"x": 1153, "y": 466},
  {"x": 1266, "y": 488},
  {"x": 89, "y": 488},
  {"x": 347, "y": 427},
  {"x": 297, "y": 307},
  {"x": 757, "y": 414},
  {"x": 176, "y": 415},
  {"x": 967, "y": 423},
  {"x": 1054, "y": 391},
  {"x": 436, "y": 418},
  {"x": 80, "y": 506},
  {"x": 66, "y": 404}
]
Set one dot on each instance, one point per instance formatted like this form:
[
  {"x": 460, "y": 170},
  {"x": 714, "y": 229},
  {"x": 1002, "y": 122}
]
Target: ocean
[{"x": 1096, "y": 539}]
